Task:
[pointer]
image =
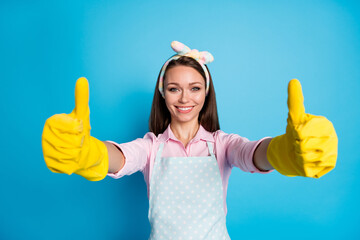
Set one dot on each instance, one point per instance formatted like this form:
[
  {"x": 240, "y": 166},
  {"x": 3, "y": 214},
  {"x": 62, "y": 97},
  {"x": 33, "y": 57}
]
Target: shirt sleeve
[
  {"x": 240, "y": 152},
  {"x": 136, "y": 155}
]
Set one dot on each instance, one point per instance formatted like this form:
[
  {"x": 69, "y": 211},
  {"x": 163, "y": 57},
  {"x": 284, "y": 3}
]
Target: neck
[{"x": 185, "y": 131}]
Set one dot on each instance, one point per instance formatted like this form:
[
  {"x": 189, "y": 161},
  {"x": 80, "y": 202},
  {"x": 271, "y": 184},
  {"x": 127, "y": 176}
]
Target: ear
[{"x": 180, "y": 48}]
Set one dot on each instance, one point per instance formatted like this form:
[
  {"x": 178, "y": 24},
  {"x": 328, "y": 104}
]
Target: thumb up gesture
[
  {"x": 309, "y": 146},
  {"x": 67, "y": 144}
]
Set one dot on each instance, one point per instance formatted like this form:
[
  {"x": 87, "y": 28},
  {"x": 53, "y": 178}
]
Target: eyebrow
[{"x": 189, "y": 83}]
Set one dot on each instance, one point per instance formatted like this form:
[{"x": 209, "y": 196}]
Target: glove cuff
[
  {"x": 97, "y": 160},
  {"x": 278, "y": 155}
]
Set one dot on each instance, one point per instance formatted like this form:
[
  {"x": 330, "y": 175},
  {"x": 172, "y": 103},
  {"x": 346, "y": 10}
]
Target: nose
[{"x": 184, "y": 97}]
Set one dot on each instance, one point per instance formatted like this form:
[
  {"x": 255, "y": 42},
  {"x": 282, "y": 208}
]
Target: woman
[{"x": 186, "y": 160}]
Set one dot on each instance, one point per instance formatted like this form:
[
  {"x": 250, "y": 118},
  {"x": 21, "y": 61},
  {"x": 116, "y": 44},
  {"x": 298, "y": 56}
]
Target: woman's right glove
[{"x": 67, "y": 144}]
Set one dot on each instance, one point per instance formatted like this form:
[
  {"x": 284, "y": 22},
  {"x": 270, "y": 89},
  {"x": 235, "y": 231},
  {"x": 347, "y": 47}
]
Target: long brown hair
[{"x": 160, "y": 116}]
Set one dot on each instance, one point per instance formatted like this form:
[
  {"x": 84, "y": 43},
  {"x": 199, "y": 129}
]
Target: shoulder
[
  {"x": 226, "y": 138},
  {"x": 151, "y": 140},
  {"x": 146, "y": 143},
  {"x": 150, "y": 136},
  {"x": 162, "y": 137}
]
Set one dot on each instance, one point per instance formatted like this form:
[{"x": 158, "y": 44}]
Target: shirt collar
[{"x": 202, "y": 134}]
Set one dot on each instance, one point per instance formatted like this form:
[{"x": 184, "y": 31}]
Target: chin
[{"x": 185, "y": 120}]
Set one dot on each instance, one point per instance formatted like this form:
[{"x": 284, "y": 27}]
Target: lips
[{"x": 185, "y": 109}]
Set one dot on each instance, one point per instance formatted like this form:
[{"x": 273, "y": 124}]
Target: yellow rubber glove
[
  {"x": 309, "y": 146},
  {"x": 67, "y": 144}
]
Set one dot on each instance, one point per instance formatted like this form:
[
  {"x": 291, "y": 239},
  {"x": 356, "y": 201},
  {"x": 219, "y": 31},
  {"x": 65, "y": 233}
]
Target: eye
[
  {"x": 195, "y": 89},
  {"x": 172, "y": 89}
]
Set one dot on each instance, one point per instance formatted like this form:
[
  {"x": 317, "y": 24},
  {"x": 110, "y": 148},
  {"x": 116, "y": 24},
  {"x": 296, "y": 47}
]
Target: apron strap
[
  {"x": 159, "y": 152},
  {"x": 211, "y": 150}
]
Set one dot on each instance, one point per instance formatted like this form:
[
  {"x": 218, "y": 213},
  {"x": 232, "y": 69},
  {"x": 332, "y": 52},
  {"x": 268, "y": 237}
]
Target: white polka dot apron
[{"x": 186, "y": 198}]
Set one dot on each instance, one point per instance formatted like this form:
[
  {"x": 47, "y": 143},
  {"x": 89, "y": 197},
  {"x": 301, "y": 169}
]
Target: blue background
[{"x": 120, "y": 47}]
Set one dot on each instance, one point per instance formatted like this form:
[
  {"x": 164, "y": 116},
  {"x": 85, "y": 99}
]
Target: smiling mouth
[{"x": 184, "y": 109}]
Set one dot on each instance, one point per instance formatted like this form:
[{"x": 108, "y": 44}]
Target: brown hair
[{"x": 160, "y": 116}]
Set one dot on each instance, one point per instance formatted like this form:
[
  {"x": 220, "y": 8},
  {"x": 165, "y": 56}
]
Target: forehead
[{"x": 183, "y": 75}]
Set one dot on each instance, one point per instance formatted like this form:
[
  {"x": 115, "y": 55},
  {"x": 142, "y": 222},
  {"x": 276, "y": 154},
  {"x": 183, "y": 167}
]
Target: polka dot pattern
[{"x": 186, "y": 199}]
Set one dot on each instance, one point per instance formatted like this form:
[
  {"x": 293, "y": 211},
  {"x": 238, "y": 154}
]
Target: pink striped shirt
[{"x": 230, "y": 150}]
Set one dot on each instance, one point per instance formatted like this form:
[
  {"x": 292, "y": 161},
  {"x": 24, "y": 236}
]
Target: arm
[
  {"x": 260, "y": 158},
  {"x": 116, "y": 158}
]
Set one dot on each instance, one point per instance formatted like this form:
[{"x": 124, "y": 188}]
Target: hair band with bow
[{"x": 182, "y": 50}]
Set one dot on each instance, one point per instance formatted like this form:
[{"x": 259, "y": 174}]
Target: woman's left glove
[{"x": 309, "y": 146}]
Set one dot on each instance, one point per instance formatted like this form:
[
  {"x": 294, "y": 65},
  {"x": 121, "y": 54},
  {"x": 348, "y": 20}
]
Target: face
[{"x": 184, "y": 93}]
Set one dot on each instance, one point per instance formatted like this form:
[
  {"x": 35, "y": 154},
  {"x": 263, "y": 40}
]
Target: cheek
[
  {"x": 200, "y": 99},
  {"x": 169, "y": 101}
]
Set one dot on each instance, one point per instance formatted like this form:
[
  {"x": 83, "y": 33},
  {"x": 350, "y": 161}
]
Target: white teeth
[{"x": 184, "y": 109}]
